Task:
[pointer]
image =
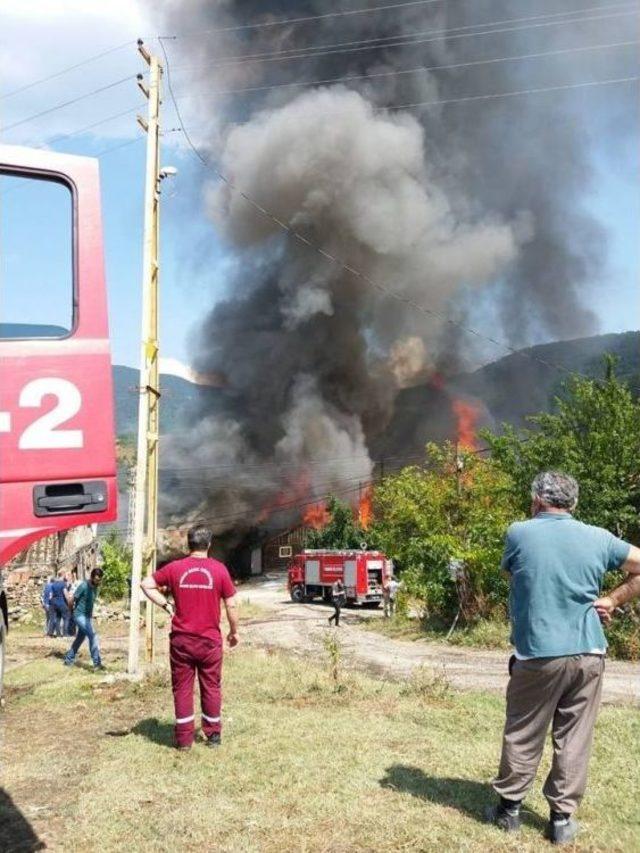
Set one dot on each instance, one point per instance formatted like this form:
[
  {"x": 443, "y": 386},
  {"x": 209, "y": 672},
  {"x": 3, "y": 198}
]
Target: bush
[
  {"x": 624, "y": 635},
  {"x": 455, "y": 508},
  {"x": 116, "y": 562}
]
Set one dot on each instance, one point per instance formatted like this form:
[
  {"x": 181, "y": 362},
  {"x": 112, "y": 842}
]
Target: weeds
[
  {"x": 427, "y": 684},
  {"x": 333, "y": 648}
]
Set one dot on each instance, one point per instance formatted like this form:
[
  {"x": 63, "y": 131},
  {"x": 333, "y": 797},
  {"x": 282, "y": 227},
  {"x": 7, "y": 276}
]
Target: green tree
[
  {"x": 342, "y": 531},
  {"x": 593, "y": 434},
  {"x": 454, "y": 508},
  {"x": 116, "y": 557}
]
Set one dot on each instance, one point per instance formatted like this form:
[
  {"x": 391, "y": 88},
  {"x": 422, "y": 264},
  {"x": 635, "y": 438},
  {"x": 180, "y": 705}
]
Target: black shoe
[
  {"x": 185, "y": 748},
  {"x": 508, "y": 820},
  {"x": 562, "y": 831},
  {"x": 214, "y": 740}
]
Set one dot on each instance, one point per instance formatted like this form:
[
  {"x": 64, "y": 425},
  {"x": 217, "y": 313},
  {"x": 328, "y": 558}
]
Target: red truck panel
[{"x": 56, "y": 396}]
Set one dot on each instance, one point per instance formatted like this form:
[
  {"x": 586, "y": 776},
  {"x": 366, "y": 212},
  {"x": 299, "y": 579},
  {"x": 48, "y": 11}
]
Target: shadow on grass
[
  {"x": 465, "y": 795},
  {"x": 56, "y": 653},
  {"x": 16, "y": 833},
  {"x": 155, "y": 731}
]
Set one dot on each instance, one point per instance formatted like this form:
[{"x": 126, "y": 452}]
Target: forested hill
[
  {"x": 507, "y": 390},
  {"x": 176, "y": 403},
  {"x": 526, "y": 382},
  {"x": 510, "y": 389}
]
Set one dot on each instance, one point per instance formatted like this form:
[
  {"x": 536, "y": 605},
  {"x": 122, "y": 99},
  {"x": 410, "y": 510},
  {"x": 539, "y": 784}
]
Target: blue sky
[{"x": 193, "y": 268}]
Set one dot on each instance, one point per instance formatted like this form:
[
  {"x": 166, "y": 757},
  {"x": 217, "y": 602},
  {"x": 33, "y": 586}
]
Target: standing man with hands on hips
[
  {"x": 197, "y": 585},
  {"x": 556, "y": 566}
]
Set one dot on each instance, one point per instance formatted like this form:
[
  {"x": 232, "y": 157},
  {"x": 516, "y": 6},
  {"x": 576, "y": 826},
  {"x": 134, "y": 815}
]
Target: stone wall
[{"x": 28, "y": 572}]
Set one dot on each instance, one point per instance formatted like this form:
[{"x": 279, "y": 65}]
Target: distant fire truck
[{"x": 312, "y": 573}]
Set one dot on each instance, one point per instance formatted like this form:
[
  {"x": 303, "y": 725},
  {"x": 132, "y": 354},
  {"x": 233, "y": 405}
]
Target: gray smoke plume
[{"x": 447, "y": 205}]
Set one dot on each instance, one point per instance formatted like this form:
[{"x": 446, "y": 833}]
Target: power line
[
  {"x": 407, "y": 41},
  {"x": 115, "y": 83},
  {"x": 317, "y": 461},
  {"x": 117, "y": 147},
  {"x": 421, "y": 68},
  {"x": 230, "y": 518},
  {"x": 514, "y": 94},
  {"x": 265, "y": 57},
  {"x": 56, "y": 74},
  {"x": 86, "y": 127},
  {"x": 320, "y": 486},
  {"x": 305, "y": 19},
  {"x": 378, "y": 40},
  {"x": 389, "y": 292}
]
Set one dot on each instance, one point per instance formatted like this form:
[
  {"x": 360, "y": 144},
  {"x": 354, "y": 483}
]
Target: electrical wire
[
  {"x": 56, "y": 74},
  {"x": 53, "y": 109},
  {"x": 317, "y": 461},
  {"x": 406, "y": 41},
  {"x": 305, "y": 19},
  {"x": 320, "y": 485},
  {"x": 420, "y": 68},
  {"x": 378, "y": 41},
  {"x": 86, "y": 127},
  {"x": 495, "y": 95},
  {"x": 380, "y": 287},
  {"x": 286, "y": 507}
]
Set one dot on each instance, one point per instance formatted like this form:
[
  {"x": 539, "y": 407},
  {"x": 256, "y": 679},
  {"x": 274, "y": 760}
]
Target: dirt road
[{"x": 301, "y": 628}]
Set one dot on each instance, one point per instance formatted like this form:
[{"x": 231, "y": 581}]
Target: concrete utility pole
[
  {"x": 146, "y": 482},
  {"x": 131, "y": 514}
]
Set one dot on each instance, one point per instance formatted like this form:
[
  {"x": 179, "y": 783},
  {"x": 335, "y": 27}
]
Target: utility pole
[
  {"x": 146, "y": 481},
  {"x": 131, "y": 514}
]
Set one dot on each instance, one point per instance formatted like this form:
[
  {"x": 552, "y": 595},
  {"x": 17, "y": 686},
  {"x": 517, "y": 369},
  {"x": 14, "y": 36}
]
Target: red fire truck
[
  {"x": 57, "y": 447},
  {"x": 312, "y": 573}
]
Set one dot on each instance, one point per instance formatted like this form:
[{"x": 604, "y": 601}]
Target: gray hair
[{"x": 555, "y": 489}]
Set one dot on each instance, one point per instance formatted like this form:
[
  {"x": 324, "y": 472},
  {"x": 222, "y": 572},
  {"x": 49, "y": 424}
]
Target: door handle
[
  {"x": 62, "y": 502},
  {"x": 69, "y": 498}
]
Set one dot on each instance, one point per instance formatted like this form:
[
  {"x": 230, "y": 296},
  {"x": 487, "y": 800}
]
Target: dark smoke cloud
[{"x": 439, "y": 203}]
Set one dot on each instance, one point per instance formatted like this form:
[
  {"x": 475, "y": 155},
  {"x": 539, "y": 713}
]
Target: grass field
[{"x": 308, "y": 763}]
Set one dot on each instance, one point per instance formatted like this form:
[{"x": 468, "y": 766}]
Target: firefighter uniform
[{"x": 197, "y": 584}]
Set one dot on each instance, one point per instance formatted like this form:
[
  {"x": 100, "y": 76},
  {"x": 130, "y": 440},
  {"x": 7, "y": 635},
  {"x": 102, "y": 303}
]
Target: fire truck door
[
  {"x": 350, "y": 576},
  {"x": 57, "y": 443}
]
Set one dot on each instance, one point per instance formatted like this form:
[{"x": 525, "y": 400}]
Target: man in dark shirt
[
  {"x": 82, "y": 602},
  {"x": 339, "y": 598},
  {"x": 197, "y": 585}
]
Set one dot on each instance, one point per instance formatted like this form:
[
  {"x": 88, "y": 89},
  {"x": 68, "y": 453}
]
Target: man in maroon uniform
[{"x": 197, "y": 584}]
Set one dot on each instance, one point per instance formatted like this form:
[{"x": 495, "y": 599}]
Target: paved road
[{"x": 300, "y": 629}]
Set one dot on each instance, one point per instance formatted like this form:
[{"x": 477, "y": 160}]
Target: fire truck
[
  {"x": 312, "y": 573},
  {"x": 57, "y": 435}
]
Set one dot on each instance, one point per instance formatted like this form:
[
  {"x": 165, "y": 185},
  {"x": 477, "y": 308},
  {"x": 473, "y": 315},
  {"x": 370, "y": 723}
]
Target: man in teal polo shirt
[
  {"x": 81, "y": 603},
  {"x": 556, "y": 566}
]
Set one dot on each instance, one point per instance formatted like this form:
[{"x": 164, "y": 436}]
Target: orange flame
[
  {"x": 466, "y": 422},
  {"x": 317, "y": 516},
  {"x": 365, "y": 508}
]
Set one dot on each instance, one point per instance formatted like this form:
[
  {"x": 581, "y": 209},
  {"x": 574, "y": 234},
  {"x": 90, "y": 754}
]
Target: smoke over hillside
[{"x": 445, "y": 204}]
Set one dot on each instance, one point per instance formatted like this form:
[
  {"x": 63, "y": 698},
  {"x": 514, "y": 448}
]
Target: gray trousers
[{"x": 564, "y": 692}]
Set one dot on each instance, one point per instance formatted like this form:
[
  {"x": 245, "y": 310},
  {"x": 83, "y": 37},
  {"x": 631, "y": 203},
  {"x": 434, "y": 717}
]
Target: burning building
[{"x": 473, "y": 210}]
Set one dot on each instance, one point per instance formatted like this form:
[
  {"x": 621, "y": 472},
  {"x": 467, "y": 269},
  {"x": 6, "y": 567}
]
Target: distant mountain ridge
[
  {"x": 509, "y": 389},
  {"x": 178, "y": 398}
]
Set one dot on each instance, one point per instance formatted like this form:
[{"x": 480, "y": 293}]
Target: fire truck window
[{"x": 36, "y": 258}]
